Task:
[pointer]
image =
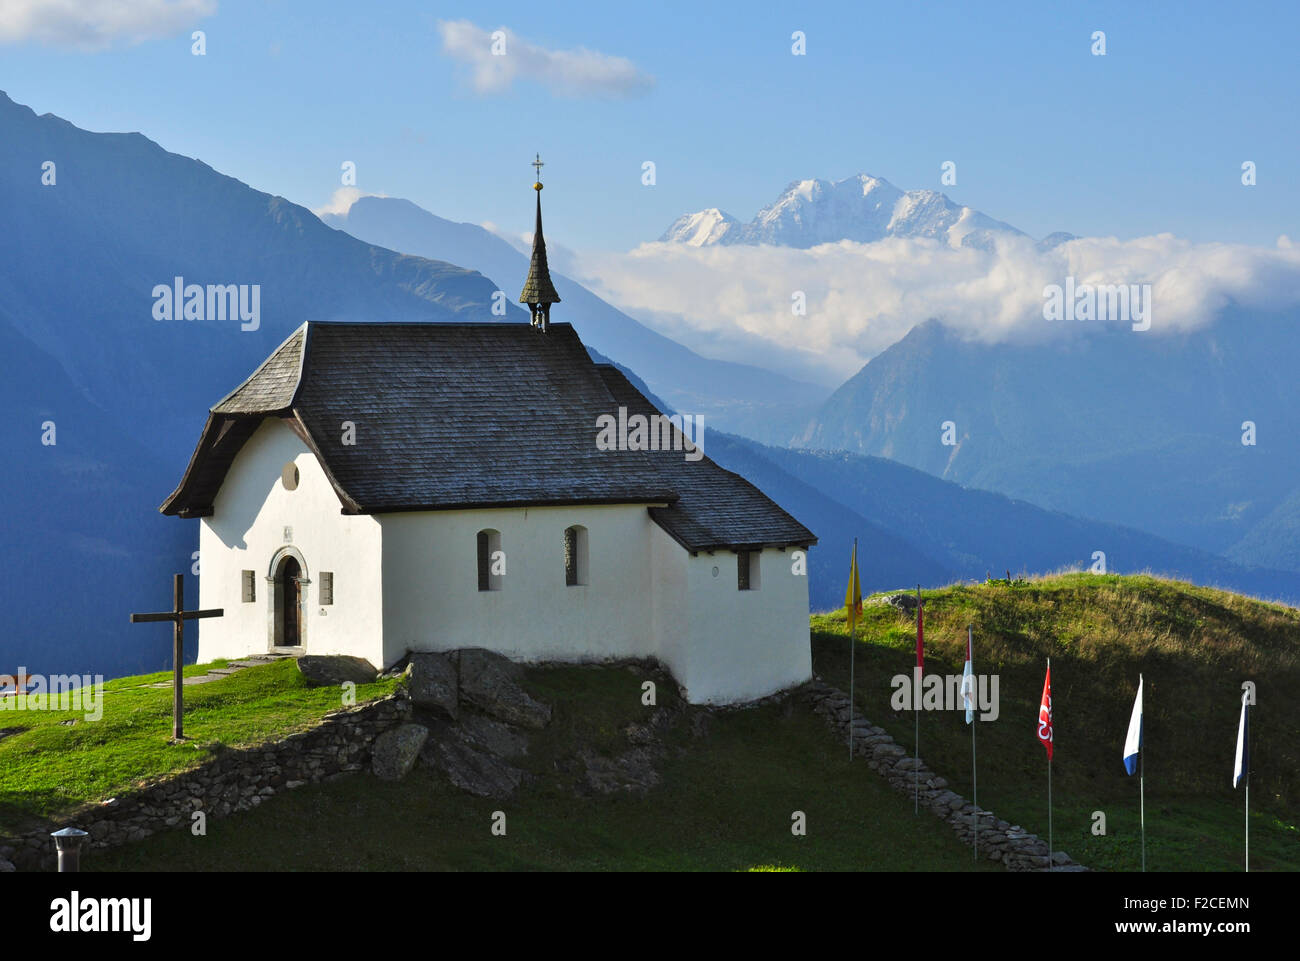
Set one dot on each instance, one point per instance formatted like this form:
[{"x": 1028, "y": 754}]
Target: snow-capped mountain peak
[
  {"x": 861, "y": 208},
  {"x": 700, "y": 229}
]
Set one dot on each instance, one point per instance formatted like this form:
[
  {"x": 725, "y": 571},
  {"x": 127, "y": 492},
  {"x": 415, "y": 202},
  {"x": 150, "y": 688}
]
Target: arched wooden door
[{"x": 288, "y": 596}]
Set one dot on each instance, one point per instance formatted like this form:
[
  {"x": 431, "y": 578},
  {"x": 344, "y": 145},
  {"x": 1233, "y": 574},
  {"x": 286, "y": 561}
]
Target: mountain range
[
  {"x": 861, "y": 208},
  {"x": 125, "y": 394},
  {"x": 1140, "y": 431},
  {"x": 914, "y": 528},
  {"x": 105, "y": 400},
  {"x": 1187, "y": 435}
]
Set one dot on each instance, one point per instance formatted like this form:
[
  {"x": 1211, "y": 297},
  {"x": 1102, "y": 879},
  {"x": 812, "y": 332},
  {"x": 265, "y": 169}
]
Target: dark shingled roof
[
  {"x": 715, "y": 507},
  {"x": 272, "y": 385},
  {"x": 471, "y": 415}
]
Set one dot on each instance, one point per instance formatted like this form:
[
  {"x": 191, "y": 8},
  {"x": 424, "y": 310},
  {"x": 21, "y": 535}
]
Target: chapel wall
[
  {"x": 432, "y": 601},
  {"x": 248, "y": 529},
  {"x": 744, "y": 644}
]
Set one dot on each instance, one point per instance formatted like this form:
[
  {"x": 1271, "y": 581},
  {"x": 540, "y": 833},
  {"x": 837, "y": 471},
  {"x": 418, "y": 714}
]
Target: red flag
[
  {"x": 920, "y": 633},
  {"x": 1045, "y": 713}
]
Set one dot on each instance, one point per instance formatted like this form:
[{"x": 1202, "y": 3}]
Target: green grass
[
  {"x": 726, "y": 799},
  {"x": 725, "y": 804},
  {"x": 49, "y": 766},
  {"x": 1194, "y": 646}
]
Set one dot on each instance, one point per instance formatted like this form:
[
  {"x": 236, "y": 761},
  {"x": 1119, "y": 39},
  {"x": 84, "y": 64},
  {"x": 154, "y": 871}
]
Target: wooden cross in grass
[{"x": 178, "y": 617}]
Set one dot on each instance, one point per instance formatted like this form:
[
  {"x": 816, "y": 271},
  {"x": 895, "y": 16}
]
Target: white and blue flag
[
  {"x": 1242, "y": 768},
  {"x": 1133, "y": 743}
]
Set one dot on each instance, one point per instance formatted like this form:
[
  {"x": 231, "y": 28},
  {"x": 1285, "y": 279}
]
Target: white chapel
[{"x": 375, "y": 489}]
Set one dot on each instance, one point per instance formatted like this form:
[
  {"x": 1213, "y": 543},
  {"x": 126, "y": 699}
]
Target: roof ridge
[{"x": 493, "y": 324}]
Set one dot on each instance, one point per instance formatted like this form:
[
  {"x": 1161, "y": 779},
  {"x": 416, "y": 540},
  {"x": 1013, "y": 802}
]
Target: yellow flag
[{"x": 853, "y": 596}]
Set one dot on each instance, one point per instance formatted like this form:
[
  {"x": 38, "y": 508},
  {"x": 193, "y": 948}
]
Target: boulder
[
  {"x": 433, "y": 685},
  {"x": 494, "y": 736},
  {"x": 6, "y": 867},
  {"x": 482, "y": 734},
  {"x": 490, "y": 683},
  {"x": 472, "y": 770},
  {"x": 395, "y": 751},
  {"x": 901, "y": 601},
  {"x": 323, "y": 670},
  {"x": 632, "y": 772}
]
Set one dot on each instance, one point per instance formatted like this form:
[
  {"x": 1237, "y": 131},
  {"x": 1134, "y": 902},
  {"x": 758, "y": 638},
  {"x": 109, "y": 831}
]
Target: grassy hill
[
  {"x": 54, "y": 760},
  {"x": 725, "y": 803},
  {"x": 727, "y": 796},
  {"x": 1194, "y": 646}
]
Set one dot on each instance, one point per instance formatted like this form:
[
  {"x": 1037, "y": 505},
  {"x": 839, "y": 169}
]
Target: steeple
[{"x": 539, "y": 293}]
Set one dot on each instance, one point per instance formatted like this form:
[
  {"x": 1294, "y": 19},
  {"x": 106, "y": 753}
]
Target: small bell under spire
[{"x": 539, "y": 293}]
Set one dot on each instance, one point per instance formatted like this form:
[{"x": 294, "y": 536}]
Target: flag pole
[
  {"x": 1247, "y": 757},
  {"x": 852, "y": 646},
  {"x": 1241, "y": 769},
  {"x": 974, "y": 782},
  {"x": 916, "y": 709},
  {"x": 1142, "y": 795},
  {"x": 916, "y": 771},
  {"x": 853, "y": 631},
  {"x": 1050, "y": 843}
]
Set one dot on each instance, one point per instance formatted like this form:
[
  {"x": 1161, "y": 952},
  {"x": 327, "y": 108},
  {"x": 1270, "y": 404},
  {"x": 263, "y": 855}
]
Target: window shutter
[
  {"x": 570, "y": 556},
  {"x": 327, "y": 587},
  {"x": 742, "y": 570},
  {"x": 484, "y": 584},
  {"x": 250, "y": 586}
]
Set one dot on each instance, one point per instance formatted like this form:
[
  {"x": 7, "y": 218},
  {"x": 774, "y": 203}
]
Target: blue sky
[{"x": 1147, "y": 139}]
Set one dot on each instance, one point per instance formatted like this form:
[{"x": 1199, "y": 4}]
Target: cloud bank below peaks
[{"x": 741, "y": 302}]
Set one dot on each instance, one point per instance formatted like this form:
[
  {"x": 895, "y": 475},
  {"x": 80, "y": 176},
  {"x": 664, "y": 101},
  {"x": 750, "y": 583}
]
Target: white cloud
[
  {"x": 735, "y": 301},
  {"x": 522, "y": 241},
  {"x": 95, "y": 24},
  {"x": 342, "y": 201},
  {"x": 576, "y": 73}
]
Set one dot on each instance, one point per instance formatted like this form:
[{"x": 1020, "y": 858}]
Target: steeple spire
[{"x": 539, "y": 293}]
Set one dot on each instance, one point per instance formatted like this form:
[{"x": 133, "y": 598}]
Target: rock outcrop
[
  {"x": 323, "y": 670},
  {"x": 490, "y": 683},
  {"x": 434, "y": 685},
  {"x": 395, "y": 752}
]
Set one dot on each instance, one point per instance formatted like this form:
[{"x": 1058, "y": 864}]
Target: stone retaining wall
[
  {"x": 1010, "y": 844},
  {"x": 233, "y": 780}
]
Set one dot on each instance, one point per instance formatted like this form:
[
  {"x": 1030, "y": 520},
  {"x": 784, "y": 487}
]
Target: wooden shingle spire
[{"x": 539, "y": 293}]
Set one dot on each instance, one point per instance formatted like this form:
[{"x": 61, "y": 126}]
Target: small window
[
  {"x": 326, "y": 587},
  {"x": 289, "y": 476},
  {"x": 747, "y": 570},
  {"x": 491, "y": 561},
  {"x": 250, "y": 586},
  {"x": 575, "y": 556}
]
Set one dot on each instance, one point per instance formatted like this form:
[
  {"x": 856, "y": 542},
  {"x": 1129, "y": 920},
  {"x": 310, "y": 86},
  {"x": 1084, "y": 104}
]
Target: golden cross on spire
[{"x": 538, "y": 165}]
